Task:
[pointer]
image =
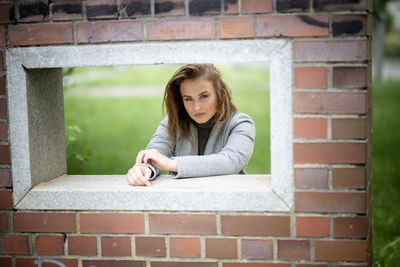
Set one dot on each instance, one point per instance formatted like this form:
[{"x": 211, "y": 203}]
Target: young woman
[{"x": 202, "y": 134}]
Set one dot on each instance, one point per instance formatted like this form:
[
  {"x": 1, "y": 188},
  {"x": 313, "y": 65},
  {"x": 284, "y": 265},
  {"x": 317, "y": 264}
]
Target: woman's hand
[
  {"x": 156, "y": 159},
  {"x": 139, "y": 175}
]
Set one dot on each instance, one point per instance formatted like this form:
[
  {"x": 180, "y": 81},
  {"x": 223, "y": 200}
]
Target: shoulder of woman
[{"x": 237, "y": 118}]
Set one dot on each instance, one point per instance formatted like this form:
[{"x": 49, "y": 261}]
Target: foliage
[
  {"x": 386, "y": 178},
  {"x": 392, "y": 45},
  {"x": 75, "y": 157}
]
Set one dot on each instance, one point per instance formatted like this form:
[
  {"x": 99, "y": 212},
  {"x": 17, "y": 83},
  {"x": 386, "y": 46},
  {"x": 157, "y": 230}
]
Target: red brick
[
  {"x": 255, "y": 225},
  {"x": 200, "y": 224},
  {"x": 182, "y": 264},
  {"x": 116, "y": 223},
  {"x": 150, "y": 246},
  {"x": 292, "y": 6},
  {"x": 257, "y": 249},
  {"x": 3, "y": 130},
  {"x": 6, "y": 9},
  {"x": 134, "y": 8},
  {"x": 256, "y": 6},
  {"x": 3, "y": 222},
  {"x": 209, "y": 7},
  {"x": 187, "y": 29},
  {"x": 185, "y": 247},
  {"x": 323, "y": 5},
  {"x": 341, "y": 250},
  {"x": 349, "y": 128},
  {"x": 96, "y": 9},
  {"x": 350, "y": 77},
  {"x": 352, "y": 265},
  {"x": 82, "y": 245},
  {"x": 30, "y": 262},
  {"x": 236, "y": 27},
  {"x": 292, "y": 26},
  {"x": 113, "y": 263},
  {"x": 231, "y": 7},
  {"x": 311, "y": 178},
  {"x": 222, "y": 248},
  {"x": 310, "y": 128},
  {"x": 40, "y": 34},
  {"x": 5, "y": 177},
  {"x": 331, "y": 51},
  {"x": 44, "y": 222},
  {"x": 4, "y": 155},
  {"x": 330, "y": 153},
  {"x": 352, "y": 227},
  {"x": 50, "y": 245},
  {"x": 293, "y": 249},
  {"x": 109, "y": 31},
  {"x": 5, "y": 262},
  {"x": 67, "y": 9},
  {"x": 16, "y": 244},
  {"x": 2, "y": 36},
  {"x": 253, "y": 264},
  {"x": 353, "y": 178},
  {"x": 328, "y": 202},
  {"x": 330, "y": 103},
  {"x": 310, "y": 77},
  {"x": 312, "y": 265},
  {"x": 169, "y": 7},
  {"x": 312, "y": 226},
  {"x": 2, "y": 85},
  {"x": 5, "y": 199},
  {"x": 349, "y": 25},
  {"x": 1, "y": 61},
  {"x": 33, "y": 11},
  {"x": 3, "y": 102},
  {"x": 115, "y": 246}
]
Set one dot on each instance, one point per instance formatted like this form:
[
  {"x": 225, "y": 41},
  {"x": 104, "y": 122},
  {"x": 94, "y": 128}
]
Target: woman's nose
[{"x": 197, "y": 106}]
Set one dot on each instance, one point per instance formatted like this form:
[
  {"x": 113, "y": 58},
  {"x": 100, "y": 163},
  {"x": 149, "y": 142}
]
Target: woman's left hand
[{"x": 156, "y": 159}]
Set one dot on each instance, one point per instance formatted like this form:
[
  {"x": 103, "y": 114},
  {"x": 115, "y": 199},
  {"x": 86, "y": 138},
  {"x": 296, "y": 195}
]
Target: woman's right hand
[{"x": 139, "y": 175}]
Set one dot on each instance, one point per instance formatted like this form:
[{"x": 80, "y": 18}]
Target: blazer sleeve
[
  {"x": 231, "y": 159},
  {"x": 162, "y": 143}
]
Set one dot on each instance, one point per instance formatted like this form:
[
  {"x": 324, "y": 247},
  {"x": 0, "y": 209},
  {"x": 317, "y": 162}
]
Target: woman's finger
[
  {"x": 140, "y": 155},
  {"x": 140, "y": 179}
]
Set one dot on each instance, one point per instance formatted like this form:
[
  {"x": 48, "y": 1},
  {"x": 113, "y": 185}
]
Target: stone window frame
[{"x": 37, "y": 134}]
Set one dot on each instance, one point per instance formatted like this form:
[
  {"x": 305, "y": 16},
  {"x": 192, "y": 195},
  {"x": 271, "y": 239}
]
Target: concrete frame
[{"x": 37, "y": 136}]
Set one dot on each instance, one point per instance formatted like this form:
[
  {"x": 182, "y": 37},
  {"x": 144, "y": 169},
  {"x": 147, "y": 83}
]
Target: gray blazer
[{"x": 228, "y": 148}]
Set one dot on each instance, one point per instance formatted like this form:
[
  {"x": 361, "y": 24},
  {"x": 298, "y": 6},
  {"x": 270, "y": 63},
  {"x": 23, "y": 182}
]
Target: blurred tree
[{"x": 380, "y": 26}]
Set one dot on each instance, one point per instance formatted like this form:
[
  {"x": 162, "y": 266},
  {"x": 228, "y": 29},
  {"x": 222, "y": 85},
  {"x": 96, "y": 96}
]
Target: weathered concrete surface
[
  {"x": 111, "y": 192},
  {"x": 26, "y": 168}
]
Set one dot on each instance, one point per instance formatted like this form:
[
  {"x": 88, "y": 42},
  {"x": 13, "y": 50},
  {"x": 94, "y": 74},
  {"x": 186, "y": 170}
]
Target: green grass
[
  {"x": 114, "y": 129},
  {"x": 386, "y": 178}
]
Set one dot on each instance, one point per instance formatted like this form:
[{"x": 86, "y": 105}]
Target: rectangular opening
[
  {"x": 112, "y": 112},
  {"x": 37, "y": 138}
]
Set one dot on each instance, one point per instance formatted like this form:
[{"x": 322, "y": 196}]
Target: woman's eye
[
  {"x": 188, "y": 99},
  {"x": 203, "y": 96}
]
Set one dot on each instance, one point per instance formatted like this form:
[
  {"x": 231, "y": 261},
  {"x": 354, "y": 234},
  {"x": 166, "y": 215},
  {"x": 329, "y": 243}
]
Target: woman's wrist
[{"x": 173, "y": 167}]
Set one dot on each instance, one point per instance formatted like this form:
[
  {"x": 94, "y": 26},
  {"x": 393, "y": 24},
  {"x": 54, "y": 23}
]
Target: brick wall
[{"x": 332, "y": 99}]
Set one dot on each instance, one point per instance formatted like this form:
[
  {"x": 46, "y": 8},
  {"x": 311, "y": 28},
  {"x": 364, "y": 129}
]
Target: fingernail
[{"x": 148, "y": 183}]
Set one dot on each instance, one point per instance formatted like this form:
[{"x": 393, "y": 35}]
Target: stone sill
[{"x": 111, "y": 192}]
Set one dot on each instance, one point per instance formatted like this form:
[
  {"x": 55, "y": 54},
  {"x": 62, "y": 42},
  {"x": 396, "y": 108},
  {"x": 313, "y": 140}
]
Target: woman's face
[{"x": 199, "y": 98}]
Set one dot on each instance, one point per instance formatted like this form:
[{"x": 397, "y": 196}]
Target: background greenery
[
  {"x": 111, "y": 113},
  {"x": 386, "y": 178}
]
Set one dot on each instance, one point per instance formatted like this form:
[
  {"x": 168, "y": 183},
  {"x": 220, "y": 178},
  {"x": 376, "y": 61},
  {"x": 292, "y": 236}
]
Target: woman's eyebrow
[{"x": 204, "y": 92}]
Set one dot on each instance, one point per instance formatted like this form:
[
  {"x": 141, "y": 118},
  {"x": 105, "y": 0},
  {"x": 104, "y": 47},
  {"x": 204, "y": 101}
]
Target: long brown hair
[{"x": 178, "y": 118}]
